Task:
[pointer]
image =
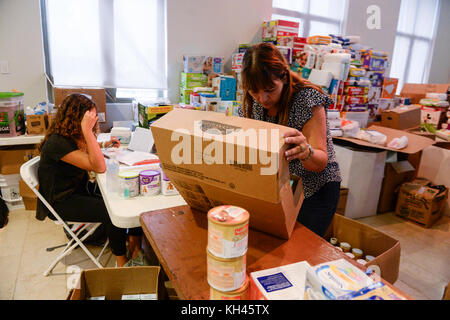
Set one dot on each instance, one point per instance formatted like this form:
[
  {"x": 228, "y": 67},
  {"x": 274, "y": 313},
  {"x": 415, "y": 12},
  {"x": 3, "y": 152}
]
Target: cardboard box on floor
[
  {"x": 416, "y": 143},
  {"x": 395, "y": 173},
  {"x": 419, "y": 203},
  {"x": 416, "y": 91},
  {"x": 231, "y": 179},
  {"x": 383, "y": 247},
  {"x": 402, "y": 117},
  {"x": 343, "y": 194},
  {"x": 98, "y": 96},
  {"x": 12, "y": 157},
  {"x": 28, "y": 196},
  {"x": 115, "y": 282}
]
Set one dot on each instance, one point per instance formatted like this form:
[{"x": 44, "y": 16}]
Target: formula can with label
[
  {"x": 129, "y": 184},
  {"x": 228, "y": 231},
  {"x": 238, "y": 294},
  {"x": 149, "y": 181},
  {"x": 225, "y": 274}
]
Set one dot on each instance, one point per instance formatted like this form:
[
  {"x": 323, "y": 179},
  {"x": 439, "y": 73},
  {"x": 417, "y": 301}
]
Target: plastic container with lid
[
  {"x": 129, "y": 184},
  {"x": 226, "y": 274},
  {"x": 12, "y": 115},
  {"x": 369, "y": 258},
  {"x": 345, "y": 246},
  {"x": 228, "y": 231}
]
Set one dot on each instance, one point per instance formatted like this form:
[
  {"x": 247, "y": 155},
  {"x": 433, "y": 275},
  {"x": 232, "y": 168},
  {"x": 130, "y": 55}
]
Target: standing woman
[
  {"x": 68, "y": 151},
  {"x": 274, "y": 93}
]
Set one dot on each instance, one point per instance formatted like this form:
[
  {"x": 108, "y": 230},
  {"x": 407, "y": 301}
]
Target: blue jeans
[{"x": 318, "y": 210}]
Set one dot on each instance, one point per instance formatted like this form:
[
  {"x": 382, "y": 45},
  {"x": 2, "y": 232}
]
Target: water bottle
[{"x": 112, "y": 175}]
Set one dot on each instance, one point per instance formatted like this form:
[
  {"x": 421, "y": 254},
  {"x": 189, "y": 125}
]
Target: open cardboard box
[
  {"x": 112, "y": 283},
  {"x": 213, "y": 159},
  {"x": 383, "y": 247},
  {"x": 417, "y": 91},
  {"x": 416, "y": 143}
]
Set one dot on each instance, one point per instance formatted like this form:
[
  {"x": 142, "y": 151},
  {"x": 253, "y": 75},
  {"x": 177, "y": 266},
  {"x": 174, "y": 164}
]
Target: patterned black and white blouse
[{"x": 301, "y": 111}]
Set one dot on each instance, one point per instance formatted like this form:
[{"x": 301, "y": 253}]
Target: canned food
[
  {"x": 350, "y": 255},
  {"x": 228, "y": 231},
  {"x": 129, "y": 184},
  {"x": 361, "y": 261},
  {"x": 225, "y": 274},
  {"x": 333, "y": 241},
  {"x": 345, "y": 246},
  {"x": 149, "y": 181},
  {"x": 369, "y": 258},
  {"x": 357, "y": 252},
  {"x": 238, "y": 294}
]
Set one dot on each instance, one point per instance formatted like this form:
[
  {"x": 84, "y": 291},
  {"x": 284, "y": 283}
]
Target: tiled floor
[{"x": 424, "y": 264}]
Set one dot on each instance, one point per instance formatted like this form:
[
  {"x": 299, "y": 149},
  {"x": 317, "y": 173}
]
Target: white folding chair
[{"x": 29, "y": 173}]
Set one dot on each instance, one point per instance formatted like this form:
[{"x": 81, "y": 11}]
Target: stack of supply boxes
[
  {"x": 435, "y": 114},
  {"x": 205, "y": 86},
  {"x": 226, "y": 253}
]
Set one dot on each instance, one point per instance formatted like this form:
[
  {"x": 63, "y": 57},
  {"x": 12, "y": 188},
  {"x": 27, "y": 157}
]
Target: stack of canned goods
[{"x": 226, "y": 252}]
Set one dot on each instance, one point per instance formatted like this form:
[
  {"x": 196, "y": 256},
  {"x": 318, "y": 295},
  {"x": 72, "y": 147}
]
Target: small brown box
[
  {"x": 402, "y": 117},
  {"x": 419, "y": 203},
  {"x": 36, "y": 123}
]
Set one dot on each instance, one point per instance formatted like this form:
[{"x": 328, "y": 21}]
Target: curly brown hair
[{"x": 67, "y": 121}]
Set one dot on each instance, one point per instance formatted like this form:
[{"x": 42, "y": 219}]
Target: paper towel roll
[{"x": 321, "y": 77}]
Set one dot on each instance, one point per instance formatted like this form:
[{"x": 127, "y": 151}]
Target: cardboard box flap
[
  {"x": 417, "y": 91},
  {"x": 402, "y": 166},
  {"x": 419, "y": 191},
  {"x": 403, "y": 109},
  {"x": 114, "y": 282},
  {"x": 416, "y": 143},
  {"x": 238, "y": 154}
]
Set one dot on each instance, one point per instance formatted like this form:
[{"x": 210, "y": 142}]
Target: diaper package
[{"x": 331, "y": 280}]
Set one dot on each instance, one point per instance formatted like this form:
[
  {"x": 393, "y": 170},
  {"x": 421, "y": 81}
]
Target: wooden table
[{"x": 179, "y": 238}]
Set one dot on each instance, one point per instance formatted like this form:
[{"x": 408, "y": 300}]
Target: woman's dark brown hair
[
  {"x": 262, "y": 64},
  {"x": 67, "y": 121}
]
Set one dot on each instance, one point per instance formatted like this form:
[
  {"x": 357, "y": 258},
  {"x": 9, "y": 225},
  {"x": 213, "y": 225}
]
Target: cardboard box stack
[{"x": 205, "y": 86}]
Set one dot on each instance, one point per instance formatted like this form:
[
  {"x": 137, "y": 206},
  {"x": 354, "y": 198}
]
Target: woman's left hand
[
  {"x": 299, "y": 144},
  {"x": 114, "y": 142}
]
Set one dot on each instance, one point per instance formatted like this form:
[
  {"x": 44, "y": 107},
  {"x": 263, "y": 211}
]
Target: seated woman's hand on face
[
  {"x": 299, "y": 145},
  {"x": 88, "y": 122},
  {"x": 114, "y": 143}
]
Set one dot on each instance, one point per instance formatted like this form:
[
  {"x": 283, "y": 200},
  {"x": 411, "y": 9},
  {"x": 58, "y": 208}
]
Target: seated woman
[{"x": 69, "y": 150}]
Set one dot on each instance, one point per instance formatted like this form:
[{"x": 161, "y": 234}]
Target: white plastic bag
[{"x": 398, "y": 143}]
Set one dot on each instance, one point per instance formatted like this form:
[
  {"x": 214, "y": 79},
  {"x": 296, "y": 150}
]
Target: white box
[
  {"x": 362, "y": 173},
  {"x": 281, "y": 283}
]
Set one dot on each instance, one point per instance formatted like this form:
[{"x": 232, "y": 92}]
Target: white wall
[
  {"x": 440, "y": 63},
  {"x": 210, "y": 27},
  {"x": 213, "y": 27},
  {"x": 21, "y": 46},
  {"x": 379, "y": 39}
]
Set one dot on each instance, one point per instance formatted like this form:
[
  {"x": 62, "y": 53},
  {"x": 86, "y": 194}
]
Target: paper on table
[
  {"x": 133, "y": 157},
  {"x": 142, "y": 140}
]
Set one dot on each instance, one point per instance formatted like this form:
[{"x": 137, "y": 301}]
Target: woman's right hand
[{"x": 88, "y": 122}]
